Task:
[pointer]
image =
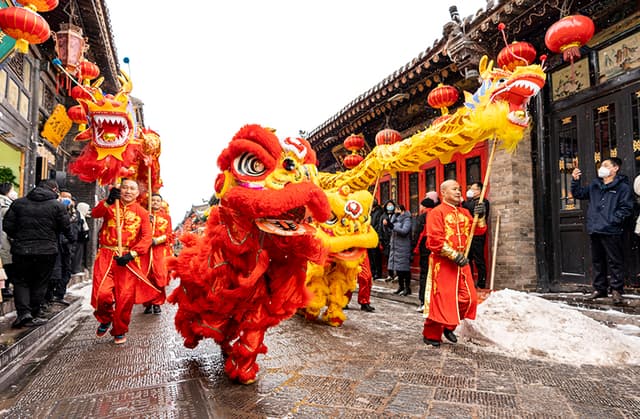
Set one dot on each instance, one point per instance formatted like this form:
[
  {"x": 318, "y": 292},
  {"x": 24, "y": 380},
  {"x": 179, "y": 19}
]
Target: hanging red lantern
[
  {"x": 78, "y": 92},
  {"x": 88, "y": 71},
  {"x": 516, "y": 54},
  {"x": 69, "y": 46},
  {"x": 388, "y": 136},
  {"x": 568, "y": 34},
  {"x": 354, "y": 142},
  {"x": 78, "y": 115},
  {"x": 442, "y": 97},
  {"x": 39, "y": 5},
  {"x": 352, "y": 160},
  {"x": 25, "y": 25}
]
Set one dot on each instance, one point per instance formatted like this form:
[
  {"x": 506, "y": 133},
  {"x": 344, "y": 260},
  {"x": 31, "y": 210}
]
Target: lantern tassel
[{"x": 58, "y": 63}]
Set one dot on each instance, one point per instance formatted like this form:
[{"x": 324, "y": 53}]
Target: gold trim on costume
[{"x": 448, "y": 251}]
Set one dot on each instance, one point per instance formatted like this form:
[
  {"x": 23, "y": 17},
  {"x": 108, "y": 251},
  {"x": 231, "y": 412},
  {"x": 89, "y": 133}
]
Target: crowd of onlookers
[
  {"x": 402, "y": 240},
  {"x": 44, "y": 236}
]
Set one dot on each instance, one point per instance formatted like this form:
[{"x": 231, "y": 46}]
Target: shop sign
[
  {"x": 7, "y": 43},
  {"x": 570, "y": 80},
  {"x": 57, "y": 126},
  {"x": 619, "y": 57}
]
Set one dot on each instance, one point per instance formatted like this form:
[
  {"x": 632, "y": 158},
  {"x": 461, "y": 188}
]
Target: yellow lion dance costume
[{"x": 348, "y": 234}]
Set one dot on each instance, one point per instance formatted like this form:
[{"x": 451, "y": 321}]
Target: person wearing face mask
[
  {"x": 610, "y": 203},
  {"x": 399, "y": 228},
  {"x": 7, "y": 196},
  {"x": 384, "y": 234},
  {"x": 476, "y": 251},
  {"x": 61, "y": 274}
]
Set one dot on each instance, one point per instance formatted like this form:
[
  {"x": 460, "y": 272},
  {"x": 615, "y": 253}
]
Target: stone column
[{"x": 511, "y": 196}]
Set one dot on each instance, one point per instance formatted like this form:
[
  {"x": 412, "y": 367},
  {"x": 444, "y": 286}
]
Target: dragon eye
[
  {"x": 250, "y": 165},
  {"x": 331, "y": 221},
  {"x": 288, "y": 164}
]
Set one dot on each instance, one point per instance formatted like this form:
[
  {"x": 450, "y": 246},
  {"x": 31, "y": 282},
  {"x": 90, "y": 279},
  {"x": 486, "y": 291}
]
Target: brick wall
[{"x": 512, "y": 197}]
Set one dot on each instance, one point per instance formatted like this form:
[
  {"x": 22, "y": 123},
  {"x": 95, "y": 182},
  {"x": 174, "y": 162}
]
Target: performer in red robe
[
  {"x": 118, "y": 281},
  {"x": 450, "y": 294},
  {"x": 154, "y": 262}
]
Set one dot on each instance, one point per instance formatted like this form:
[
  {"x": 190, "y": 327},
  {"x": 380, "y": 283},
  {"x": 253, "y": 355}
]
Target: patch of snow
[{"x": 526, "y": 326}]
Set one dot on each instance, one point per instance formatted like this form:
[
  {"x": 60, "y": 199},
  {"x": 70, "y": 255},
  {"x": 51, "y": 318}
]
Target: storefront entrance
[{"x": 584, "y": 135}]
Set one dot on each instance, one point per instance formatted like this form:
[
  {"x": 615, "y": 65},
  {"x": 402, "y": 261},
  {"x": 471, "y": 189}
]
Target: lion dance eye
[
  {"x": 288, "y": 164},
  {"x": 248, "y": 164},
  {"x": 331, "y": 221}
]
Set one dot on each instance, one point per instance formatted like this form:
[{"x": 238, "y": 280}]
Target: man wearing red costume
[
  {"x": 450, "y": 294},
  {"x": 154, "y": 262},
  {"x": 118, "y": 281}
]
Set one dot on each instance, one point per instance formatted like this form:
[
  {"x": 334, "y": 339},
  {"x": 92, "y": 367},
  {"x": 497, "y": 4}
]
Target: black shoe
[
  {"x": 346, "y": 307},
  {"x": 597, "y": 294},
  {"x": 367, "y": 308},
  {"x": 451, "y": 337},
  {"x": 481, "y": 285},
  {"x": 156, "y": 309},
  {"x": 148, "y": 310},
  {"x": 434, "y": 343},
  {"x": 57, "y": 300},
  {"x": 406, "y": 292},
  {"x": 616, "y": 296},
  {"x": 21, "y": 321},
  {"x": 399, "y": 291}
]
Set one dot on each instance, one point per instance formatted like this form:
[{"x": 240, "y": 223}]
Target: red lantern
[
  {"x": 354, "y": 142},
  {"x": 442, "y": 97},
  {"x": 515, "y": 55},
  {"x": 352, "y": 160},
  {"x": 388, "y": 136},
  {"x": 78, "y": 115},
  {"x": 78, "y": 92},
  {"x": 88, "y": 71},
  {"x": 568, "y": 34},
  {"x": 39, "y": 5},
  {"x": 25, "y": 25}
]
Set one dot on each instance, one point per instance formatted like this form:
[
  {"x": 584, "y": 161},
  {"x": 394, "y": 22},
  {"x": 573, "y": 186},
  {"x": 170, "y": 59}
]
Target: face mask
[
  {"x": 12, "y": 195},
  {"x": 470, "y": 194},
  {"x": 65, "y": 201},
  {"x": 390, "y": 208},
  {"x": 603, "y": 172}
]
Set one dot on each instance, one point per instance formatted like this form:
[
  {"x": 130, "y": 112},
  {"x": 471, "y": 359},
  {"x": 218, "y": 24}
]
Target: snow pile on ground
[{"x": 524, "y": 326}]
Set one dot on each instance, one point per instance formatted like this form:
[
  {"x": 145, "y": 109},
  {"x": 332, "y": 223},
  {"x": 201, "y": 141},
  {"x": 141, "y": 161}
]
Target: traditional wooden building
[
  {"x": 588, "y": 111},
  {"x": 31, "y": 87}
]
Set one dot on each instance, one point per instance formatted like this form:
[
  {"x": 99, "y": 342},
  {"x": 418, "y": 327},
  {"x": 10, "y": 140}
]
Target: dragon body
[
  {"x": 347, "y": 234},
  {"x": 498, "y": 109},
  {"x": 247, "y": 271}
]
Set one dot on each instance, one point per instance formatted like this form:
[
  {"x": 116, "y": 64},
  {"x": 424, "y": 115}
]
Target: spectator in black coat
[
  {"x": 610, "y": 203},
  {"x": 33, "y": 224},
  {"x": 384, "y": 234},
  {"x": 421, "y": 249},
  {"x": 375, "y": 254},
  {"x": 476, "y": 251}
]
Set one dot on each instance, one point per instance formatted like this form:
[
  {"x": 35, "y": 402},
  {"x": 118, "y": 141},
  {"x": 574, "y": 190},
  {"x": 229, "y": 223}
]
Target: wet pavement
[{"x": 374, "y": 366}]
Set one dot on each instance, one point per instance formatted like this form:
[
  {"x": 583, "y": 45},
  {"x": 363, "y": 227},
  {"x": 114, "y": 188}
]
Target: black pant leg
[
  {"x": 476, "y": 253},
  {"x": 612, "y": 245},
  {"x": 21, "y": 293},
  {"x": 41, "y": 279},
  {"x": 599, "y": 262}
]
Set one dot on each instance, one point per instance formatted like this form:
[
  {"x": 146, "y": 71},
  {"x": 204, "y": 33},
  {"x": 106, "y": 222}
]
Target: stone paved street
[{"x": 374, "y": 366}]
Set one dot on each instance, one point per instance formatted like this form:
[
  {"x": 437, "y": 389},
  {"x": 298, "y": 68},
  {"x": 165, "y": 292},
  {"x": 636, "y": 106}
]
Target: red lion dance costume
[{"x": 248, "y": 270}]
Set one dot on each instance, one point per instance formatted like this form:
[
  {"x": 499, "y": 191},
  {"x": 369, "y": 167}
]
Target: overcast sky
[{"x": 205, "y": 68}]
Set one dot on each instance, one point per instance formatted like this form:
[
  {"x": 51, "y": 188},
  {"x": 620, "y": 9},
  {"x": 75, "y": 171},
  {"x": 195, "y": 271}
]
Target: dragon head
[
  {"x": 271, "y": 181},
  {"x": 513, "y": 88},
  {"x": 111, "y": 121},
  {"x": 348, "y": 232}
]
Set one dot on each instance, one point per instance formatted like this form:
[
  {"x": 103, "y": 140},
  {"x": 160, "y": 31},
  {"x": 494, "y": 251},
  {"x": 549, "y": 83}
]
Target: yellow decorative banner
[{"x": 57, "y": 126}]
